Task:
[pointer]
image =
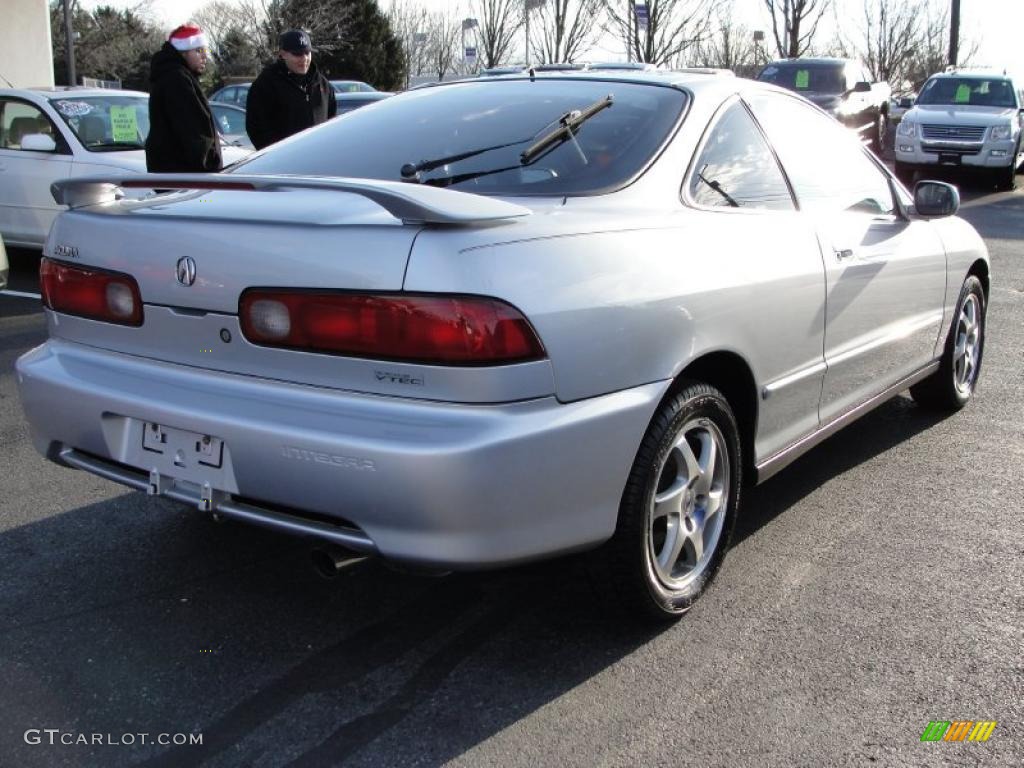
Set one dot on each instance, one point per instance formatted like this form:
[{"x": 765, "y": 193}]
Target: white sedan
[{"x": 53, "y": 134}]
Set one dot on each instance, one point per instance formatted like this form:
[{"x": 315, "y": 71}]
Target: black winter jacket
[
  {"x": 280, "y": 104},
  {"x": 182, "y": 137}
]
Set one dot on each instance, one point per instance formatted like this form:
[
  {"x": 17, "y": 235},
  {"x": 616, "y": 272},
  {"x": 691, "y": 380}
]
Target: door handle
[{"x": 845, "y": 253}]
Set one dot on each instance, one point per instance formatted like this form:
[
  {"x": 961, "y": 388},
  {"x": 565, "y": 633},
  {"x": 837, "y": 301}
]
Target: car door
[
  {"x": 27, "y": 208},
  {"x": 765, "y": 259},
  {"x": 885, "y": 274}
]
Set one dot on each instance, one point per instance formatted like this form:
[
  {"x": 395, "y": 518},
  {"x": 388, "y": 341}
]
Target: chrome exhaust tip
[{"x": 329, "y": 560}]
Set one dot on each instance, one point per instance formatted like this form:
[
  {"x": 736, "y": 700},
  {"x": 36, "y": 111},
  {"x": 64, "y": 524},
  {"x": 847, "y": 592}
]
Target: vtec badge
[{"x": 65, "y": 251}]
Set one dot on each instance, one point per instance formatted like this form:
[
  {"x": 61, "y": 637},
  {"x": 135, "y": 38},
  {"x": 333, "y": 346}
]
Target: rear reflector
[
  {"x": 97, "y": 294},
  {"x": 441, "y": 330}
]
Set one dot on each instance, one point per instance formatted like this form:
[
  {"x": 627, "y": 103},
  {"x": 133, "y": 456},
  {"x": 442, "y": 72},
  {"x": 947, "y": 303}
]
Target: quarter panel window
[
  {"x": 18, "y": 120},
  {"x": 829, "y": 170},
  {"x": 736, "y": 168}
]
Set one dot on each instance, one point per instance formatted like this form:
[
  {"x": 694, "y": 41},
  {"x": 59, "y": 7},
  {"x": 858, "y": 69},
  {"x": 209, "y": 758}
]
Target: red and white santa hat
[{"x": 186, "y": 37}]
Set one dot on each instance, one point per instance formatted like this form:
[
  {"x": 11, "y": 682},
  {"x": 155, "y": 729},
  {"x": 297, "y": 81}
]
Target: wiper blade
[
  {"x": 411, "y": 171},
  {"x": 568, "y": 124},
  {"x": 717, "y": 187}
]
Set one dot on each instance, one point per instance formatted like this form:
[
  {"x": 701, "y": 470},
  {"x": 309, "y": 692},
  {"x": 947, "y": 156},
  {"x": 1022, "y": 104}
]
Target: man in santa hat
[{"x": 182, "y": 136}]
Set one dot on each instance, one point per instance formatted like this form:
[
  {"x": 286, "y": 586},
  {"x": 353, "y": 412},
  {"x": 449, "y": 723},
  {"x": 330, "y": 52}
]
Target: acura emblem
[{"x": 186, "y": 270}]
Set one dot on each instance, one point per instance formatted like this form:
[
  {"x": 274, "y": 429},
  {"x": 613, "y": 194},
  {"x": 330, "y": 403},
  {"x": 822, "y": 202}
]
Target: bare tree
[
  {"x": 794, "y": 24},
  {"x": 410, "y": 23},
  {"x": 566, "y": 29},
  {"x": 728, "y": 45},
  {"x": 891, "y": 37},
  {"x": 443, "y": 34},
  {"x": 673, "y": 28},
  {"x": 499, "y": 23}
]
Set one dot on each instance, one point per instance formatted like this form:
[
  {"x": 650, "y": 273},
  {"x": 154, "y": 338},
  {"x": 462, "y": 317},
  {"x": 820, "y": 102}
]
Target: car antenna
[
  {"x": 533, "y": 74},
  {"x": 9, "y": 83}
]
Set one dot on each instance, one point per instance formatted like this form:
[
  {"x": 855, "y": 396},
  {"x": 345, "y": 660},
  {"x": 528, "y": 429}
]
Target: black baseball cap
[{"x": 295, "y": 41}]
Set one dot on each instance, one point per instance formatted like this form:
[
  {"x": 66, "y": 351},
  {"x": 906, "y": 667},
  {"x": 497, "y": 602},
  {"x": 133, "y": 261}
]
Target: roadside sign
[
  {"x": 643, "y": 16},
  {"x": 470, "y": 55}
]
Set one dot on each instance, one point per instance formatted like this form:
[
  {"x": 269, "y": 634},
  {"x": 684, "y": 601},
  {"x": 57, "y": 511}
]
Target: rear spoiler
[{"x": 412, "y": 203}]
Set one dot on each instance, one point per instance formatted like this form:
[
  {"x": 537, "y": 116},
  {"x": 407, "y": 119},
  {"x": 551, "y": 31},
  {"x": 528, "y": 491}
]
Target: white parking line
[{"x": 21, "y": 294}]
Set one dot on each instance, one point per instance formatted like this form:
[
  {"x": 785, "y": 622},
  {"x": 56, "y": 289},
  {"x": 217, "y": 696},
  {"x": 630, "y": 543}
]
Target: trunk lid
[{"x": 237, "y": 240}]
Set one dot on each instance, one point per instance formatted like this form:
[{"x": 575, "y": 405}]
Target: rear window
[
  {"x": 815, "y": 78},
  {"x": 608, "y": 150}
]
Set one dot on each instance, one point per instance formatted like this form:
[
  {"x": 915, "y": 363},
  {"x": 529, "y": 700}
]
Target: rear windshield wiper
[
  {"x": 411, "y": 171},
  {"x": 717, "y": 187},
  {"x": 568, "y": 124}
]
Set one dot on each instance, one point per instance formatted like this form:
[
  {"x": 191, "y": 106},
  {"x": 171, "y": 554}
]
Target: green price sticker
[
  {"x": 124, "y": 125},
  {"x": 963, "y": 94},
  {"x": 803, "y": 79}
]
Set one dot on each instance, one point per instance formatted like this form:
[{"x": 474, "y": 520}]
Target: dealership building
[{"x": 26, "y": 50}]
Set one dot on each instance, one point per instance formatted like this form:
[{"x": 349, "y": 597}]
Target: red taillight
[
  {"x": 97, "y": 294},
  {"x": 445, "y": 330}
]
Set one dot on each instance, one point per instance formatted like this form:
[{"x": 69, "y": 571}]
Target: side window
[
  {"x": 736, "y": 169},
  {"x": 829, "y": 170},
  {"x": 18, "y": 119}
]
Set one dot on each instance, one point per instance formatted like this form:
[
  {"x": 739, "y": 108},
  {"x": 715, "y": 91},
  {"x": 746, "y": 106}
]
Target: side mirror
[
  {"x": 862, "y": 87},
  {"x": 38, "y": 142},
  {"x": 936, "y": 198}
]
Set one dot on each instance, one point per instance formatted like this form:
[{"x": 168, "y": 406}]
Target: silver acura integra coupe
[{"x": 498, "y": 320}]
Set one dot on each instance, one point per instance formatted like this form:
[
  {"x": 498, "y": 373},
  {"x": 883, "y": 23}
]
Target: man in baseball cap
[
  {"x": 289, "y": 95},
  {"x": 182, "y": 136}
]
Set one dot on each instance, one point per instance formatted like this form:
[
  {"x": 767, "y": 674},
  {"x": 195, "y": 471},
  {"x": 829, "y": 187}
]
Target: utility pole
[
  {"x": 954, "y": 33},
  {"x": 69, "y": 42}
]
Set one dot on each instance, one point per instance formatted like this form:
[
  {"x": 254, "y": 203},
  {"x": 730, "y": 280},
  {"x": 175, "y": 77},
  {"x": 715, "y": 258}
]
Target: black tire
[
  {"x": 904, "y": 173},
  {"x": 627, "y": 569},
  {"x": 1006, "y": 178},
  {"x": 881, "y": 128},
  {"x": 950, "y": 388}
]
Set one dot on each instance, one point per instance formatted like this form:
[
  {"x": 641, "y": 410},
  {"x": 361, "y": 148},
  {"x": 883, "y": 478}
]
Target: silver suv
[{"x": 964, "y": 119}]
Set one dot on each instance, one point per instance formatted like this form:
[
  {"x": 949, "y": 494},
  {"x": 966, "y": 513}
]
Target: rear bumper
[{"x": 442, "y": 484}]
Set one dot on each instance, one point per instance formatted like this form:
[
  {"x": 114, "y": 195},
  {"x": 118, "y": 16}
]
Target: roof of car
[
  {"x": 990, "y": 73},
  {"x": 690, "y": 80},
  {"x": 816, "y": 60},
  {"x": 61, "y": 90}
]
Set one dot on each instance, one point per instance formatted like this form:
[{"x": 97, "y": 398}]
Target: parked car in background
[
  {"x": 964, "y": 120},
  {"x": 230, "y": 121},
  {"x": 4, "y": 266},
  {"x": 899, "y": 104},
  {"x": 504, "y": 319},
  {"x": 53, "y": 134},
  {"x": 356, "y": 99},
  {"x": 841, "y": 87},
  {"x": 508, "y": 69},
  {"x": 352, "y": 86},
  {"x": 236, "y": 94}
]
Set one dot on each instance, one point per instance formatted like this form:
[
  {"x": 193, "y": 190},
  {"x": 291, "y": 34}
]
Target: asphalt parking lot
[{"x": 872, "y": 587}]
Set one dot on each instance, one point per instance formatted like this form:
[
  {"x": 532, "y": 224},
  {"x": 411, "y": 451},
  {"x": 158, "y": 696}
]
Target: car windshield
[
  {"x": 229, "y": 121},
  {"x": 971, "y": 91},
  {"x": 815, "y": 78},
  {"x": 351, "y": 86},
  {"x": 446, "y": 121},
  {"x": 105, "y": 123}
]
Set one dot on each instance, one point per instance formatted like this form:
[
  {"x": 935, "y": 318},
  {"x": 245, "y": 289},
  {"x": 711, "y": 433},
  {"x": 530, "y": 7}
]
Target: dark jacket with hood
[
  {"x": 182, "y": 136},
  {"x": 281, "y": 103}
]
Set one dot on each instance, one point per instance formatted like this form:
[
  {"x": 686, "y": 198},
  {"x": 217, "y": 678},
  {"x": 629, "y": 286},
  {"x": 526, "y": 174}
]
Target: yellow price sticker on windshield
[
  {"x": 124, "y": 125},
  {"x": 803, "y": 79},
  {"x": 962, "y": 95}
]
